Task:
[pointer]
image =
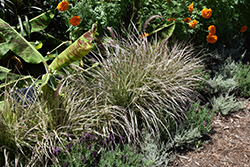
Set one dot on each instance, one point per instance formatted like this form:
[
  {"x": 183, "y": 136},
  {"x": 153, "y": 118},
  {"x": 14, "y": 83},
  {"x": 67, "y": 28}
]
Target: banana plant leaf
[
  {"x": 18, "y": 45},
  {"x": 75, "y": 51},
  {"x": 39, "y": 22},
  {"x": 166, "y": 30}
]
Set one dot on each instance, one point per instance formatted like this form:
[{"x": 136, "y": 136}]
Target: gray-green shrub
[
  {"x": 225, "y": 104},
  {"x": 243, "y": 79}
]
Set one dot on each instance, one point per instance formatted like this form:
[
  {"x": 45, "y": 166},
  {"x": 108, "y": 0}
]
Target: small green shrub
[
  {"x": 222, "y": 78},
  {"x": 196, "y": 124},
  {"x": 126, "y": 157},
  {"x": 107, "y": 13},
  {"x": 87, "y": 150},
  {"x": 227, "y": 16},
  {"x": 220, "y": 85},
  {"x": 226, "y": 104},
  {"x": 155, "y": 152},
  {"x": 200, "y": 116},
  {"x": 243, "y": 79}
]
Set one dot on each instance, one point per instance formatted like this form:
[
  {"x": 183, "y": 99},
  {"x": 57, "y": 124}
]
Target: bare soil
[{"x": 228, "y": 144}]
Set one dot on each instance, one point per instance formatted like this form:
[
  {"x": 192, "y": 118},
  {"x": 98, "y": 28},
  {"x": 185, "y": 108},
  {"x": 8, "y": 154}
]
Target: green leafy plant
[
  {"x": 155, "y": 152},
  {"x": 228, "y": 19},
  {"x": 126, "y": 157},
  {"x": 243, "y": 79},
  {"x": 49, "y": 104},
  {"x": 18, "y": 45},
  {"x": 200, "y": 116},
  {"x": 225, "y": 104},
  {"x": 107, "y": 13},
  {"x": 14, "y": 11},
  {"x": 87, "y": 150}
]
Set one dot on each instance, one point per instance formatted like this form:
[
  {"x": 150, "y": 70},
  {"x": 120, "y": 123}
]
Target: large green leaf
[
  {"x": 165, "y": 30},
  {"x": 40, "y": 22},
  {"x": 75, "y": 51},
  {"x": 18, "y": 45}
]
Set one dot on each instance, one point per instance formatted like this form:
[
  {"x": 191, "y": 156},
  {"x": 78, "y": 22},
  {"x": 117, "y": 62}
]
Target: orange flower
[
  {"x": 169, "y": 0},
  {"x": 62, "y": 6},
  {"x": 145, "y": 35},
  {"x": 211, "y": 38},
  {"x": 193, "y": 23},
  {"x": 212, "y": 30},
  {"x": 172, "y": 19},
  {"x": 75, "y": 20},
  {"x": 191, "y": 7},
  {"x": 187, "y": 19},
  {"x": 206, "y": 13},
  {"x": 243, "y": 29}
]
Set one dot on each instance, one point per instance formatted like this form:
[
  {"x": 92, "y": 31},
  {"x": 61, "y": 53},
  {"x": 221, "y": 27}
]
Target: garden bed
[{"x": 228, "y": 144}]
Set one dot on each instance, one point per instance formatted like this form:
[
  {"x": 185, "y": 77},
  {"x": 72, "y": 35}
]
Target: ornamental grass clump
[
  {"x": 136, "y": 82},
  {"x": 31, "y": 132}
]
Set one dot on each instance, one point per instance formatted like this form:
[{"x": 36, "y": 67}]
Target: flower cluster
[
  {"x": 205, "y": 13},
  {"x": 193, "y": 23},
  {"x": 171, "y": 19},
  {"x": 63, "y": 6},
  {"x": 243, "y": 29},
  {"x": 187, "y": 19},
  {"x": 211, "y": 38},
  {"x": 191, "y": 7}
]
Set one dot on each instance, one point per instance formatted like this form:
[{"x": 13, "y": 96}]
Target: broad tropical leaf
[
  {"x": 75, "y": 51},
  {"x": 40, "y": 22},
  {"x": 18, "y": 45},
  {"x": 165, "y": 30}
]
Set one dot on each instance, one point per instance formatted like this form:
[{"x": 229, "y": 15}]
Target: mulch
[{"x": 228, "y": 144}]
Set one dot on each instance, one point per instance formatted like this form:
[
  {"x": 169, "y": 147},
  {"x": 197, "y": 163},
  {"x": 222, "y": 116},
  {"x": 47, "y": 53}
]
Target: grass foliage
[{"x": 137, "y": 81}]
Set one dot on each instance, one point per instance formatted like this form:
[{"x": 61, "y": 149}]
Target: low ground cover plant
[
  {"x": 88, "y": 150},
  {"x": 243, "y": 79}
]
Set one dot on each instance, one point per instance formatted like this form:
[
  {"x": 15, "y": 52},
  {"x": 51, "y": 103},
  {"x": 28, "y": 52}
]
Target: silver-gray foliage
[
  {"x": 157, "y": 154},
  {"x": 224, "y": 78},
  {"x": 226, "y": 103}
]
